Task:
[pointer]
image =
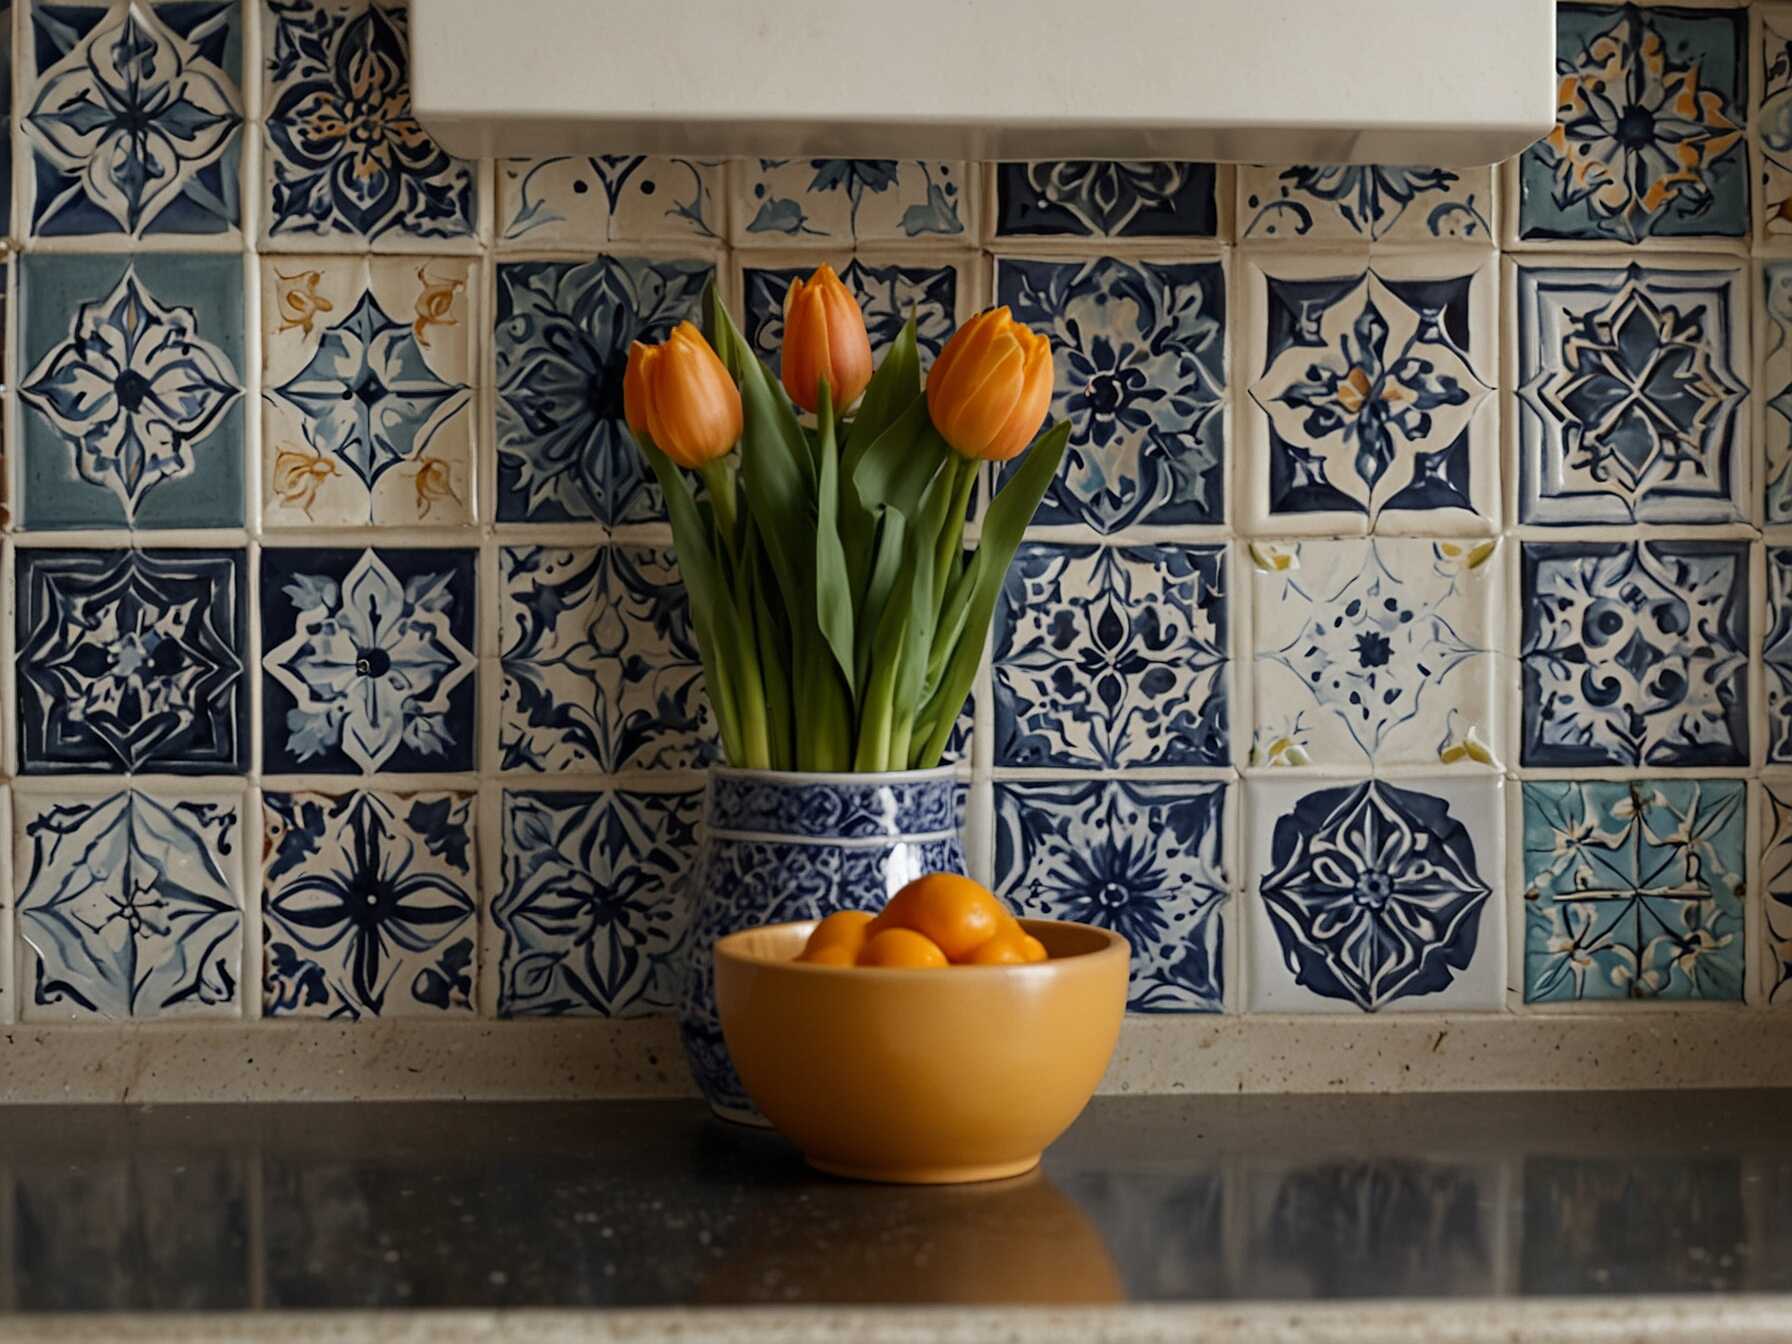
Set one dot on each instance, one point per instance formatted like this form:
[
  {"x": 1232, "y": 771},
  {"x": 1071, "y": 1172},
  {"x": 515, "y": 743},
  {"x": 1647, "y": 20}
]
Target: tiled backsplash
[{"x": 1409, "y": 629}]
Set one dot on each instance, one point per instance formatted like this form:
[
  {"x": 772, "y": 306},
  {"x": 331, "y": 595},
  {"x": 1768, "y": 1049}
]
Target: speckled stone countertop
[{"x": 1590, "y": 1215}]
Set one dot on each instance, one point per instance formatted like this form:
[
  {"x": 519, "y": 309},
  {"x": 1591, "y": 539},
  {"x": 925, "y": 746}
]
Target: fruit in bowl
[{"x": 937, "y": 920}]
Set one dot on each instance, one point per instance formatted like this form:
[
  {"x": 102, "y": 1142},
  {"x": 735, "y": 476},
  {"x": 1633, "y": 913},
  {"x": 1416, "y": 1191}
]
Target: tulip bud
[
  {"x": 989, "y": 390},
  {"x": 824, "y": 337},
  {"x": 679, "y": 395}
]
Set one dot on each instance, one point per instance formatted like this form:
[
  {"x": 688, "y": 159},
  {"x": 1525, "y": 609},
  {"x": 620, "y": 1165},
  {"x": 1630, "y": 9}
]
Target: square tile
[
  {"x": 130, "y": 903},
  {"x": 1776, "y": 655},
  {"x": 1633, "y": 889},
  {"x": 368, "y": 662},
  {"x": 594, "y": 915},
  {"x": 601, "y": 667},
  {"x": 1635, "y": 653},
  {"x": 889, "y": 290},
  {"x": 131, "y": 400},
  {"x": 369, "y": 904},
  {"x": 1374, "y": 652},
  {"x": 589, "y": 202},
  {"x": 1112, "y": 656},
  {"x": 1631, "y": 393},
  {"x": 850, "y": 201},
  {"x": 346, "y": 158},
  {"x": 1358, "y": 202},
  {"x": 367, "y": 409},
  {"x": 1147, "y": 860},
  {"x": 1776, "y": 892},
  {"x": 1139, "y": 354},
  {"x": 1371, "y": 402},
  {"x": 1774, "y": 385},
  {"x": 131, "y": 661},
  {"x": 560, "y": 339},
  {"x": 133, "y": 118},
  {"x": 1105, "y": 198},
  {"x": 1650, "y": 137},
  {"x": 1375, "y": 894},
  {"x": 1773, "y": 207}
]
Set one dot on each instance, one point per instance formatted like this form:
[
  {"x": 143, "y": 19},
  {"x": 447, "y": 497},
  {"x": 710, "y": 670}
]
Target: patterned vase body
[{"x": 780, "y": 846}]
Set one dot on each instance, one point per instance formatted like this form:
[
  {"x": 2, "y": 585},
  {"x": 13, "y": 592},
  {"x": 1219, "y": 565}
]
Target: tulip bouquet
[{"x": 839, "y": 614}]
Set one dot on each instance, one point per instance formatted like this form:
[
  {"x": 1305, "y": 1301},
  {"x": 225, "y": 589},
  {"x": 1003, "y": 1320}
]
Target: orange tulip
[
  {"x": 824, "y": 336},
  {"x": 679, "y": 395},
  {"x": 989, "y": 390}
]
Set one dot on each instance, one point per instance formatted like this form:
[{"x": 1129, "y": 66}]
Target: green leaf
[
  {"x": 891, "y": 391},
  {"x": 918, "y": 565},
  {"x": 833, "y": 585},
  {"x": 901, "y": 463},
  {"x": 886, "y": 564},
  {"x": 771, "y": 634}
]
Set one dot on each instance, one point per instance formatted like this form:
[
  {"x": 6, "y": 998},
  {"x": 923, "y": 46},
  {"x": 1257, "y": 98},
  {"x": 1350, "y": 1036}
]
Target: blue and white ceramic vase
[{"x": 781, "y": 846}]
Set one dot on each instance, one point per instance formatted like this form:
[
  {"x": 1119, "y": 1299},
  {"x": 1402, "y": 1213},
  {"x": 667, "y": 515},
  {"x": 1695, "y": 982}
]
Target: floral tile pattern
[
  {"x": 1773, "y": 211},
  {"x": 574, "y": 201},
  {"x": 889, "y": 293},
  {"x": 1140, "y": 363},
  {"x": 133, "y": 117},
  {"x": 850, "y": 201},
  {"x": 1631, "y": 392},
  {"x": 1365, "y": 203},
  {"x": 1635, "y": 653},
  {"x": 368, "y": 661},
  {"x": 1776, "y": 893},
  {"x": 1112, "y": 656},
  {"x": 1652, "y": 109},
  {"x": 368, "y": 904},
  {"x": 592, "y": 918},
  {"x": 1775, "y": 385},
  {"x": 1146, "y": 860},
  {"x": 1633, "y": 890},
  {"x": 1374, "y": 652},
  {"x": 1776, "y": 653},
  {"x": 129, "y": 903},
  {"x": 1105, "y": 198},
  {"x": 367, "y": 367},
  {"x": 561, "y": 335},
  {"x": 131, "y": 660}
]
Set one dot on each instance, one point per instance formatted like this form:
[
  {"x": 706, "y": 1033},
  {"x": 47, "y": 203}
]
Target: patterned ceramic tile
[
  {"x": 1775, "y": 391},
  {"x": 1146, "y": 860},
  {"x": 593, "y": 917},
  {"x": 1649, "y": 142},
  {"x": 368, "y": 661},
  {"x": 1630, "y": 393},
  {"x": 133, "y": 117},
  {"x": 130, "y": 903},
  {"x": 601, "y": 670},
  {"x": 1371, "y": 405},
  {"x": 1365, "y": 203},
  {"x": 1773, "y": 122},
  {"x": 587, "y": 203},
  {"x": 1140, "y": 355},
  {"x": 131, "y": 398},
  {"x": 1633, "y": 890},
  {"x": 1635, "y": 653},
  {"x": 1776, "y": 654},
  {"x": 346, "y": 158},
  {"x": 369, "y": 904},
  {"x": 1375, "y": 894},
  {"x": 367, "y": 366},
  {"x": 1112, "y": 656},
  {"x": 1374, "y": 652},
  {"x": 889, "y": 291},
  {"x": 1105, "y": 198},
  {"x": 561, "y": 335},
  {"x": 1776, "y": 893},
  {"x": 852, "y": 201},
  {"x": 131, "y": 660}
]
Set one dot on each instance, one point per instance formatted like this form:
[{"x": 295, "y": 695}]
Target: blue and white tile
[
  {"x": 133, "y": 119},
  {"x": 369, "y": 905},
  {"x": 367, "y": 404},
  {"x": 937, "y": 291},
  {"x": 1104, "y": 198},
  {"x": 1110, "y": 657},
  {"x": 593, "y": 916},
  {"x": 346, "y": 161},
  {"x": 1776, "y": 655},
  {"x": 1773, "y": 381},
  {"x": 6, "y": 85},
  {"x": 1650, "y": 142},
  {"x": 129, "y": 902},
  {"x": 778, "y": 202},
  {"x": 1375, "y": 895},
  {"x": 1773, "y": 122},
  {"x": 1634, "y": 889},
  {"x": 1365, "y": 203},
  {"x": 1630, "y": 403},
  {"x": 589, "y": 202},
  {"x": 1776, "y": 893},
  {"x": 368, "y": 662},
  {"x": 131, "y": 660},
  {"x": 1147, "y": 860},
  {"x": 1139, "y": 355},
  {"x": 1374, "y": 653},
  {"x": 1371, "y": 403},
  {"x": 130, "y": 391},
  {"x": 561, "y": 333},
  {"x": 1634, "y": 653}
]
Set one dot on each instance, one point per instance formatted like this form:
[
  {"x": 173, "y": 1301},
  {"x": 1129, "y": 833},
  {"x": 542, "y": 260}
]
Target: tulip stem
[
  {"x": 718, "y": 477},
  {"x": 951, "y": 539}
]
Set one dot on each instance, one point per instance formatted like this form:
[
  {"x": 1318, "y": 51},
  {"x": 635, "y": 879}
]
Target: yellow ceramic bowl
[{"x": 958, "y": 1074}]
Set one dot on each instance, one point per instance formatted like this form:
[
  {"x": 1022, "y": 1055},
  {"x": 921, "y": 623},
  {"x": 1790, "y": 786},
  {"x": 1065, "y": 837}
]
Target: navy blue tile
[{"x": 1102, "y": 198}]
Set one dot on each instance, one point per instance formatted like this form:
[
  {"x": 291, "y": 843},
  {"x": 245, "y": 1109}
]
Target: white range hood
[{"x": 1449, "y": 82}]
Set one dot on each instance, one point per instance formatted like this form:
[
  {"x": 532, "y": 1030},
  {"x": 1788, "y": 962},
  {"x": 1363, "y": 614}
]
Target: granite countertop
[{"x": 1498, "y": 1215}]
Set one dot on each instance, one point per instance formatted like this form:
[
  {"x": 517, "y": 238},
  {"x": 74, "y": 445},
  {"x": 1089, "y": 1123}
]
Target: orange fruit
[
  {"x": 958, "y": 913},
  {"x": 901, "y": 947},
  {"x": 1012, "y": 946},
  {"x": 830, "y": 954},
  {"x": 843, "y": 931}
]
